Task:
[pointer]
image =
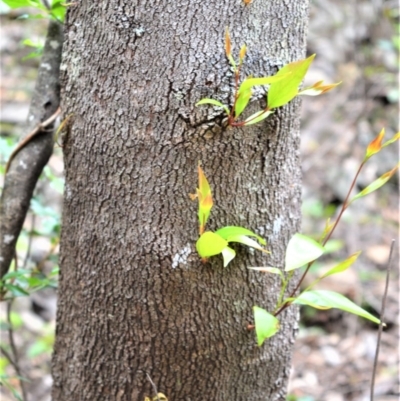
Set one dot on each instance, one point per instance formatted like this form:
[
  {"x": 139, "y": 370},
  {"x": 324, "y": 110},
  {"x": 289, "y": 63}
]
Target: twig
[
  {"x": 8, "y": 357},
  {"x": 381, "y": 324},
  {"x": 36, "y": 131},
  {"x": 14, "y": 351},
  {"x": 345, "y": 205},
  {"x": 154, "y": 387}
]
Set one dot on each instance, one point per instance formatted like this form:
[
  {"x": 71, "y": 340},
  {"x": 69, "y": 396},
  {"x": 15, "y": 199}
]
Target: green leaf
[
  {"x": 16, "y": 274},
  {"x": 20, "y": 3},
  {"x": 241, "y": 102},
  {"x": 341, "y": 267},
  {"x": 395, "y": 138},
  {"x": 333, "y": 245},
  {"x": 31, "y": 43},
  {"x": 257, "y": 117},
  {"x": 323, "y": 299},
  {"x": 300, "y": 251},
  {"x": 37, "y": 348},
  {"x": 4, "y": 362},
  {"x": 267, "y": 269},
  {"x": 58, "y": 10},
  {"x": 229, "y": 231},
  {"x": 16, "y": 290},
  {"x": 336, "y": 269},
  {"x": 36, "y": 53},
  {"x": 36, "y": 281},
  {"x": 282, "y": 92},
  {"x": 243, "y": 239},
  {"x": 249, "y": 83},
  {"x": 266, "y": 324},
  {"x": 382, "y": 180},
  {"x": 228, "y": 254},
  {"x": 210, "y": 244},
  {"x": 214, "y": 103},
  {"x": 16, "y": 320}
]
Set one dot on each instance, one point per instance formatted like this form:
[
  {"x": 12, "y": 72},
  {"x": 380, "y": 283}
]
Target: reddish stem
[{"x": 327, "y": 238}]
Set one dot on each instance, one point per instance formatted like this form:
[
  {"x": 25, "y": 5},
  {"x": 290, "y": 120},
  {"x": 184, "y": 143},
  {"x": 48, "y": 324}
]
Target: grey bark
[
  {"x": 134, "y": 296},
  {"x": 28, "y": 163}
]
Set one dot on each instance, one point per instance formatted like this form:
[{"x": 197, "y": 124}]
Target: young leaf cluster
[
  {"x": 304, "y": 251},
  {"x": 283, "y": 87},
  {"x": 214, "y": 243},
  {"x": 301, "y": 251}
]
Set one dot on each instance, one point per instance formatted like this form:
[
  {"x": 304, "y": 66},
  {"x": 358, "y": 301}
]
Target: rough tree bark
[{"x": 134, "y": 296}]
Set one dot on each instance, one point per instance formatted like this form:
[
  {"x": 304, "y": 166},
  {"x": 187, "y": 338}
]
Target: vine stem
[{"x": 345, "y": 205}]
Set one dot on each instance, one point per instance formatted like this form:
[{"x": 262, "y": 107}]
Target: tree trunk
[{"x": 134, "y": 297}]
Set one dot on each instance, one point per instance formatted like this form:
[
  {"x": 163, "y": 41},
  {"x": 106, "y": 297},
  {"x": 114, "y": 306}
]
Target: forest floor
[{"x": 356, "y": 42}]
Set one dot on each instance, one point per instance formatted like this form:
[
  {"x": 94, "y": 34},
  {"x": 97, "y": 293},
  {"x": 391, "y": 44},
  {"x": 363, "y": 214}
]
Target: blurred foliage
[{"x": 30, "y": 277}]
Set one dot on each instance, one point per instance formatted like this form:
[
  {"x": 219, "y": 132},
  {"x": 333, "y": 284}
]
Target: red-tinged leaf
[
  {"x": 228, "y": 45},
  {"x": 382, "y": 180},
  {"x": 375, "y": 145},
  {"x": 241, "y": 102},
  {"x": 282, "y": 92},
  {"x": 266, "y": 325},
  {"x": 257, "y": 117},
  {"x": 242, "y": 53},
  {"x": 394, "y": 139},
  {"x": 205, "y": 199},
  {"x": 204, "y": 186},
  {"x": 228, "y": 49},
  {"x": 318, "y": 89}
]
